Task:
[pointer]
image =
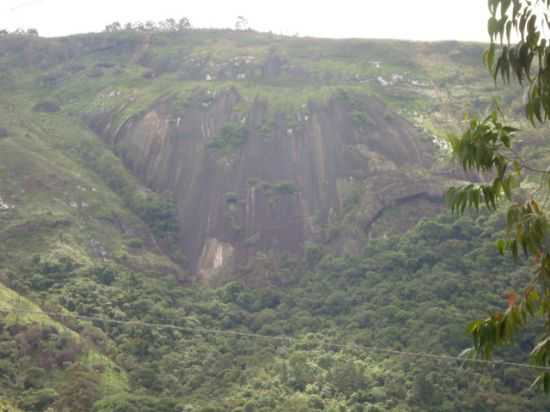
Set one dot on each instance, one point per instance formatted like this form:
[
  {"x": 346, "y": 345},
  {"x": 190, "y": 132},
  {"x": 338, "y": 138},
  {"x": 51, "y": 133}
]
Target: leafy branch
[{"x": 486, "y": 147}]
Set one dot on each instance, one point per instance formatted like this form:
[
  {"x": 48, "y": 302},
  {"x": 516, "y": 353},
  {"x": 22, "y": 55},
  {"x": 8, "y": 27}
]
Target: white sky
[{"x": 397, "y": 19}]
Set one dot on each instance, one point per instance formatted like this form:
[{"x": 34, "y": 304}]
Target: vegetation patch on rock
[
  {"x": 46, "y": 107},
  {"x": 232, "y": 136}
]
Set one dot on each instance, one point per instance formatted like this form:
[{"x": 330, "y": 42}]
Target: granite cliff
[
  {"x": 260, "y": 141},
  {"x": 250, "y": 180}
]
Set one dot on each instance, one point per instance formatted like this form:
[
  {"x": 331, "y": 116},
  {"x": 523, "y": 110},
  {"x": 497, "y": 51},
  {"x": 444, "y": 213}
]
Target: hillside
[
  {"x": 273, "y": 127},
  {"x": 234, "y": 183}
]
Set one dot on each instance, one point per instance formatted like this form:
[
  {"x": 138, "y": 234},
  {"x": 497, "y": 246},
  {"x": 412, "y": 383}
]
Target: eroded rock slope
[{"x": 252, "y": 180}]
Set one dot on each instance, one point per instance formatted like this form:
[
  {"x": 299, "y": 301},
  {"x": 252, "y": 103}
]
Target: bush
[
  {"x": 105, "y": 275},
  {"x": 313, "y": 253},
  {"x": 231, "y": 198},
  {"x": 249, "y": 407},
  {"x": 135, "y": 243},
  {"x": 116, "y": 403},
  {"x": 95, "y": 73},
  {"x": 46, "y": 107},
  {"x": 360, "y": 119},
  {"x": 40, "y": 282},
  {"x": 285, "y": 188},
  {"x": 39, "y": 400},
  {"x": 82, "y": 382},
  {"x": 34, "y": 378},
  {"x": 233, "y": 135},
  {"x": 348, "y": 378},
  {"x": 159, "y": 214}
]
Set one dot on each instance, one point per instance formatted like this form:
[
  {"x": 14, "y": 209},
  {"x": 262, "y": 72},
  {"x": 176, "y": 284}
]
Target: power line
[{"x": 287, "y": 339}]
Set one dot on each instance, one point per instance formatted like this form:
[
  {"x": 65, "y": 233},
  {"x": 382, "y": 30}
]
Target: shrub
[
  {"x": 249, "y": 407},
  {"x": 159, "y": 213},
  {"x": 233, "y": 135},
  {"x": 135, "y": 243},
  {"x": 79, "y": 391},
  {"x": 39, "y": 400},
  {"x": 105, "y": 275},
  {"x": 40, "y": 282},
  {"x": 95, "y": 73},
  {"x": 285, "y": 188},
  {"x": 118, "y": 403},
  {"x": 231, "y": 198},
  {"x": 313, "y": 253},
  {"x": 360, "y": 119},
  {"x": 34, "y": 377},
  {"x": 347, "y": 377},
  {"x": 46, "y": 107}
]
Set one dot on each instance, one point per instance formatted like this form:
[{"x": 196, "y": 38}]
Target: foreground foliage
[{"x": 488, "y": 147}]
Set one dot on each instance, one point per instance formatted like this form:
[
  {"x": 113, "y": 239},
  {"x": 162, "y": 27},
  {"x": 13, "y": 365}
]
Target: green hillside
[{"x": 91, "y": 264}]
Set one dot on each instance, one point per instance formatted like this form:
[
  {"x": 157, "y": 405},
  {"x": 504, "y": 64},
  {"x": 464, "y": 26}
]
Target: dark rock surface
[{"x": 286, "y": 172}]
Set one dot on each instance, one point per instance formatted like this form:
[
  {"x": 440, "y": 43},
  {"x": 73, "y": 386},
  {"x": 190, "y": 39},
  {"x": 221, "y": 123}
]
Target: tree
[
  {"x": 348, "y": 377},
  {"x": 79, "y": 391},
  {"x": 105, "y": 274},
  {"x": 488, "y": 146},
  {"x": 113, "y": 27},
  {"x": 170, "y": 25},
  {"x": 150, "y": 25},
  {"x": 40, "y": 399},
  {"x": 241, "y": 23},
  {"x": 184, "y": 24}
]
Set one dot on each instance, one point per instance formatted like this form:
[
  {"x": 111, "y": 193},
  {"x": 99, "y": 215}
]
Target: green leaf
[
  {"x": 489, "y": 57},
  {"x": 501, "y": 245},
  {"x": 492, "y": 27},
  {"x": 517, "y": 167}
]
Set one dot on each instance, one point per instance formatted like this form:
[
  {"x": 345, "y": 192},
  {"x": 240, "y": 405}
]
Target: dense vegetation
[{"x": 328, "y": 303}]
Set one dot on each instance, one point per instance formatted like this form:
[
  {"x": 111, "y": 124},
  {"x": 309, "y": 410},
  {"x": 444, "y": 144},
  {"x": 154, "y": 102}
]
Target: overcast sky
[{"x": 397, "y": 19}]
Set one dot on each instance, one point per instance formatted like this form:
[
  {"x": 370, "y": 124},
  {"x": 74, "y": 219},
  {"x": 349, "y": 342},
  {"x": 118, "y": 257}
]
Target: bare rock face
[
  {"x": 216, "y": 256},
  {"x": 256, "y": 181}
]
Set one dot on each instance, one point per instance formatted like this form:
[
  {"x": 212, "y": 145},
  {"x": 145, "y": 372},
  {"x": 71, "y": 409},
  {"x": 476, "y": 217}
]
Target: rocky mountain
[
  {"x": 257, "y": 145},
  {"x": 246, "y": 180},
  {"x": 301, "y": 179}
]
